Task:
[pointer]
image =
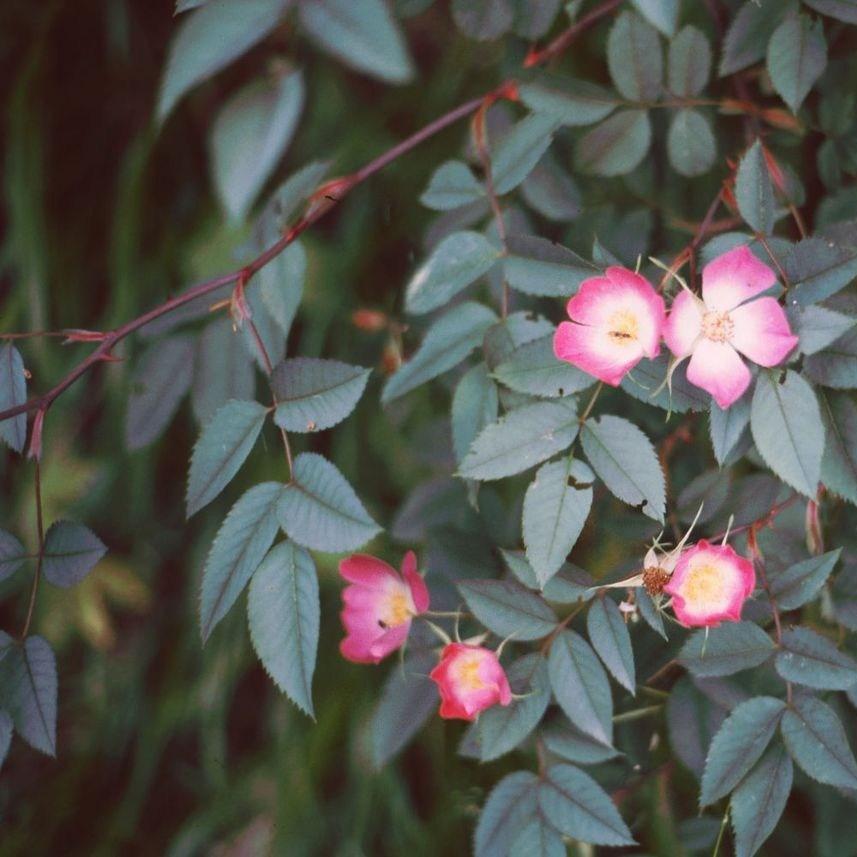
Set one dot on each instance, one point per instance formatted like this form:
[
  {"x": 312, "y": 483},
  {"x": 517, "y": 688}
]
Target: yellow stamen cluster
[
  {"x": 717, "y": 326},
  {"x": 703, "y": 584},
  {"x": 623, "y": 327},
  {"x": 467, "y": 673},
  {"x": 397, "y": 609}
]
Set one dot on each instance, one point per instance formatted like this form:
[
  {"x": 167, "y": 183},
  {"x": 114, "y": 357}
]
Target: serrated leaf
[
  {"x": 692, "y": 721},
  {"x": 448, "y": 341},
  {"x": 362, "y": 34},
  {"x": 556, "y": 506},
  {"x": 475, "y": 404},
  {"x": 451, "y": 186},
  {"x": 284, "y": 614},
  {"x": 248, "y": 138},
  {"x": 512, "y": 332},
  {"x": 533, "y": 18},
  {"x": 520, "y": 149},
  {"x": 222, "y": 448},
  {"x": 839, "y": 464},
  {"x": 635, "y": 58},
  {"x": 319, "y": 510},
  {"x": 238, "y": 549},
  {"x": 571, "y": 744},
  {"x": 727, "y": 427},
  {"x": 801, "y": 582},
  {"x": 749, "y": 33},
  {"x": 818, "y": 327},
  {"x": 12, "y": 555},
  {"x": 538, "y": 839},
  {"x": 503, "y": 727},
  {"x": 578, "y": 807},
  {"x": 521, "y": 439},
  {"x": 842, "y": 10},
  {"x": 210, "y": 39},
  {"x": 13, "y": 392},
  {"x": 816, "y": 741},
  {"x": 459, "y": 260},
  {"x": 690, "y": 143},
  {"x": 281, "y": 284},
  {"x": 533, "y": 369},
  {"x": 408, "y": 699},
  {"x": 662, "y": 14},
  {"x": 818, "y": 268},
  {"x": 537, "y": 266},
  {"x": 651, "y": 613},
  {"x": 787, "y": 430},
  {"x": 511, "y": 804},
  {"x": 580, "y": 686},
  {"x": 836, "y": 365},
  {"x": 646, "y": 383},
  {"x": 809, "y": 659},
  {"x": 571, "y": 102},
  {"x": 508, "y": 609},
  {"x": 617, "y": 145},
  {"x": 740, "y": 743},
  {"x": 754, "y": 192},
  {"x": 222, "y": 370},
  {"x": 5, "y": 736},
  {"x": 624, "y": 458},
  {"x": 551, "y": 191},
  {"x": 28, "y": 675},
  {"x": 162, "y": 377},
  {"x": 689, "y": 62},
  {"x": 314, "y": 394},
  {"x": 759, "y": 801},
  {"x": 609, "y": 636},
  {"x": 71, "y": 551},
  {"x": 484, "y": 20},
  {"x": 726, "y": 649},
  {"x": 797, "y": 56}
]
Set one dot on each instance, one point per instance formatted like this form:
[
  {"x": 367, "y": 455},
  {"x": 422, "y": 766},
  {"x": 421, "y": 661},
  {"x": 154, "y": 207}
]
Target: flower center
[
  {"x": 467, "y": 673},
  {"x": 703, "y": 585},
  {"x": 397, "y": 610},
  {"x": 655, "y": 579},
  {"x": 717, "y": 326},
  {"x": 623, "y": 327}
]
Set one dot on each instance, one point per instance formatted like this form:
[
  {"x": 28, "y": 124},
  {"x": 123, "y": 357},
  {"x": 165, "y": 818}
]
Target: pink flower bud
[
  {"x": 378, "y": 606},
  {"x": 470, "y": 679}
]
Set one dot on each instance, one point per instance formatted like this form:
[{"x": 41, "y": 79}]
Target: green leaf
[
  {"x": 689, "y": 62},
  {"x": 551, "y": 191},
  {"x": 537, "y": 266},
  {"x": 448, "y": 341},
  {"x": 727, "y": 427},
  {"x": 269, "y": 333},
  {"x": 28, "y": 676},
  {"x": 749, "y": 33},
  {"x": 475, "y": 404},
  {"x": 759, "y": 801},
  {"x": 624, "y": 458},
  {"x": 362, "y": 34},
  {"x": 520, "y": 149},
  {"x": 484, "y": 20},
  {"x": 818, "y": 268},
  {"x": 5, "y": 736},
  {"x": 800, "y": 583},
  {"x": 222, "y": 370},
  {"x": 610, "y": 639},
  {"x": 314, "y": 394},
  {"x": 692, "y": 721},
  {"x": 836, "y": 365},
  {"x": 281, "y": 284},
  {"x": 521, "y": 439},
  {"x": 210, "y": 39},
  {"x": 578, "y": 807},
  {"x": 738, "y": 745},
  {"x": 797, "y": 56},
  {"x": 459, "y": 260},
  {"x": 787, "y": 430},
  {"x": 510, "y": 806},
  {"x": 508, "y": 609},
  {"x": 839, "y": 464},
  {"x": 809, "y": 659},
  {"x": 571, "y": 102},
  {"x": 635, "y": 58},
  {"x": 511, "y": 333},
  {"x": 754, "y": 192},
  {"x": 503, "y": 727},
  {"x": 407, "y": 701},
  {"x": 816, "y": 740},
  {"x": 538, "y": 839},
  {"x": 571, "y": 744},
  {"x": 580, "y": 686},
  {"x": 12, "y": 554},
  {"x": 71, "y": 552},
  {"x": 283, "y": 613},
  {"x": 818, "y": 327},
  {"x": 726, "y": 649},
  {"x": 679, "y": 396},
  {"x": 159, "y": 383},
  {"x": 452, "y": 185},
  {"x": 319, "y": 510},
  {"x": 533, "y": 18},
  {"x": 222, "y": 448},
  {"x": 13, "y": 392},
  {"x": 238, "y": 549},
  {"x": 534, "y": 369},
  {"x": 690, "y": 143},
  {"x": 248, "y": 138},
  {"x": 617, "y": 145},
  {"x": 842, "y": 10},
  {"x": 556, "y": 507},
  {"x": 662, "y": 14}
]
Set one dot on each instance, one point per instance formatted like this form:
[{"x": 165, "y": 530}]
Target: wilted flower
[
  {"x": 379, "y": 606},
  {"x": 616, "y": 320},
  {"x": 470, "y": 679},
  {"x": 712, "y": 330}
]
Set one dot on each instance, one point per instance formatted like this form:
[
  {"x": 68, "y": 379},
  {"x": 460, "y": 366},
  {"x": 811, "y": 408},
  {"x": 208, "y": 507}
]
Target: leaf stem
[{"x": 40, "y": 532}]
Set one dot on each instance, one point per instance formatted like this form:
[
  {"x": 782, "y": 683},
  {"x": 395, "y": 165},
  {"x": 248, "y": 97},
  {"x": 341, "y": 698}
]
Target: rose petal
[
  {"x": 683, "y": 324},
  {"x": 761, "y": 331},
  {"x": 734, "y": 277},
  {"x": 595, "y": 352},
  {"x": 365, "y": 570},
  {"x": 717, "y": 368}
]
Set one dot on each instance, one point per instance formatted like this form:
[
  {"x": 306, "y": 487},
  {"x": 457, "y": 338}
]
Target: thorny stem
[{"x": 40, "y": 530}]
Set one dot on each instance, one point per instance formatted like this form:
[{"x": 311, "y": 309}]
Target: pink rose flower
[
  {"x": 470, "y": 679},
  {"x": 710, "y": 585},
  {"x": 379, "y": 605},
  {"x": 726, "y": 321},
  {"x": 616, "y": 320}
]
